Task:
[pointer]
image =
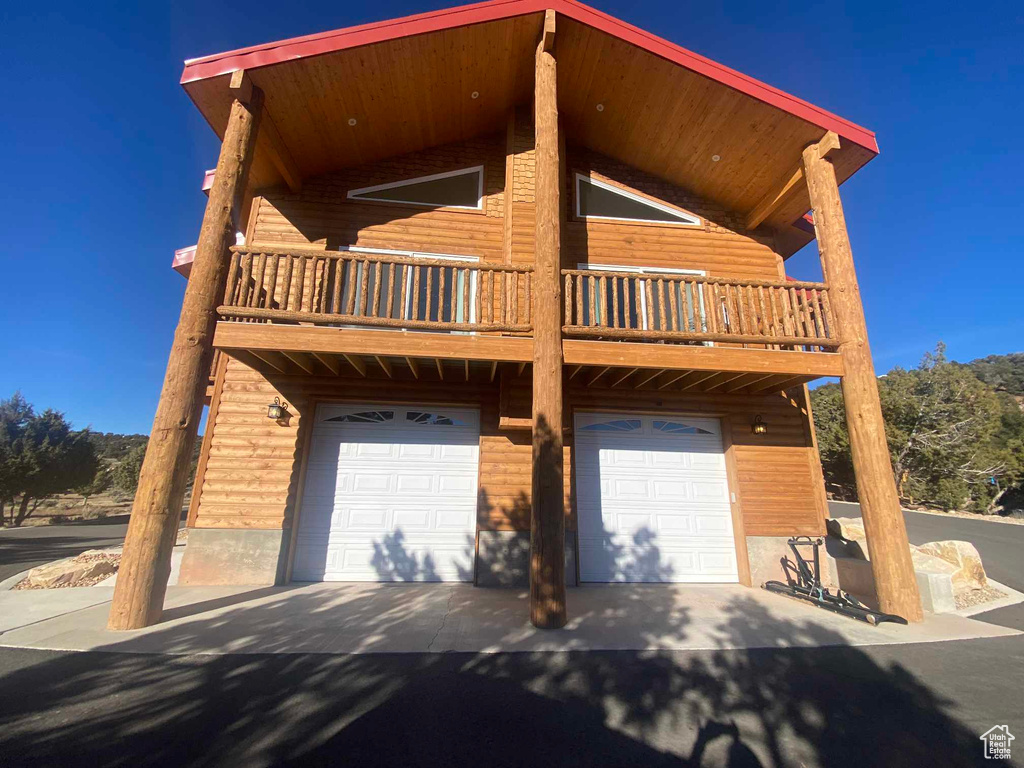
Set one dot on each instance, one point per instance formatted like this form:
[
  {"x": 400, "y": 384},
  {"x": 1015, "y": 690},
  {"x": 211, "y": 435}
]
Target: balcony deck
[{"x": 311, "y": 312}]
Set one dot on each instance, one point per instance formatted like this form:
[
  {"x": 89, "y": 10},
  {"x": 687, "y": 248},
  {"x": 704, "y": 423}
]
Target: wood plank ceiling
[{"x": 415, "y": 92}]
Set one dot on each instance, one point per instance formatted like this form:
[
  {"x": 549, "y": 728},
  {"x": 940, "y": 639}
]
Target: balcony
[{"x": 314, "y": 311}]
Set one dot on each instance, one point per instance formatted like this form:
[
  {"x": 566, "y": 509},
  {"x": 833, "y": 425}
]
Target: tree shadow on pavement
[{"x": 769, "y": 706}]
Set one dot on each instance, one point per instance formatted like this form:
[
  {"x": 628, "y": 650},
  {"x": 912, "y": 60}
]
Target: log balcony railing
[
  {"x": 630, "y": 306},
  {"x": 370, "y": 290},
  {"x": 348, "y": 288}
]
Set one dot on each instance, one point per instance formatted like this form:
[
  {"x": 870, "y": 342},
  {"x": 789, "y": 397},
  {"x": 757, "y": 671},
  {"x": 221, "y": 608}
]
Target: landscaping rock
[
  {"x": 849, "y": 528},
  {"x": 84, "y": 570},
  {"x": 968, "y": 572}
]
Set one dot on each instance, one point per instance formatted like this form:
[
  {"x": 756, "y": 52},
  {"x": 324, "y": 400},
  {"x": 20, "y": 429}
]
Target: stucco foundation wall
[
  {"x": 218, "y": 556},
  {"x": 767, "y": 552}
]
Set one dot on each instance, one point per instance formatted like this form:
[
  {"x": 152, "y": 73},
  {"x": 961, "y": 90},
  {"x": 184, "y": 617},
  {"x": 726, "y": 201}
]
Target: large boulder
[
  {"x": 968, "y": 572},
  {"x": 85, "y": 569},
  {"x": 849, "y": 528}
]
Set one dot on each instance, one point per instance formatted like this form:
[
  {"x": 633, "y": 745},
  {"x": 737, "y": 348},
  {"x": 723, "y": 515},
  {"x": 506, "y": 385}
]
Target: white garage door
[
  {"x": 390, "y": 495},
  {"x": 652, "y": 498}
]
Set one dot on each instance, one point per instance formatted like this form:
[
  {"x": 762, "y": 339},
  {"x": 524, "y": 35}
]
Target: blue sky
[{"x": 103, "y": 154}]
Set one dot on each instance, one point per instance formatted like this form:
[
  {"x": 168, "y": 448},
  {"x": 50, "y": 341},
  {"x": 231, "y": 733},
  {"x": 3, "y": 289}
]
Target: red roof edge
[{"x": 492, "y": 10}]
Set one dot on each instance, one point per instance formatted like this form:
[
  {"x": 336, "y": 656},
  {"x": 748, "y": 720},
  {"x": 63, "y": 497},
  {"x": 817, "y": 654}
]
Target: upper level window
[
  {"x": 455, "y": 189},
  {"x": 599, "y": 200}
]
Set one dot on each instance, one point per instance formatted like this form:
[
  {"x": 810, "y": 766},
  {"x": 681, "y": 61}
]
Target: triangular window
[
  {"x": 599, "y": 200},
  {"x": 455, "y": 189}
]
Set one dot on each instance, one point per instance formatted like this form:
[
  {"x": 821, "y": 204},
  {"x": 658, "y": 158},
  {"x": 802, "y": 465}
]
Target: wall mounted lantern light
[
  {"x": 759, "y": 427},
  {"x": 277, "y": 410}
]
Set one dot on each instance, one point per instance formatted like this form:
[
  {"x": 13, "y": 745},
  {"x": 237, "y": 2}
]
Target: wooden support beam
[
  {"x": 547, "y": 513},
  {"x": 466, "y": 364},
  {"x": 300, "y": 359},
  {"x": 494, "y": 369},
  {"x": 440, "y": 368},
  {"x": 269, "y": 140},
  {"x": 711, "y": 382},
  {"x": 328, "y": 362},
  {"x": 769, "y": 384},
  {"x": 575, "y": 371},
  {"x": 385, "y": 365},
  {"x": 889, "y": 549},
  {"x": 747, "y": 380},
  {"x": 242, "y": 90},
  {"x": 413, "y": 366},
  {"x": 510, "y": 164},
  {"x": 720, "y": 380},
  {"x": 350, "y": 341},
  {"x": 547, "y": 42},
  {"x": 697, "y": 378},
  {"x": 356, "y": 363},
  {"x": 673, "y": 379},
  {"x": 602, "y": 372},
  {"x": 625, "y": 354},
  {"x": 146, "y": 560},
  {"x": 623, "y": 377},
  {"x": 648, "y": 377},
  {"x": 775, "y": 198},
  {"x": 270, "y": 358},
  {"x": 522, "y": 367}
]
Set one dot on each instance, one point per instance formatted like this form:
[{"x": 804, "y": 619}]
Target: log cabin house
[{"x": 512, "y": 278}]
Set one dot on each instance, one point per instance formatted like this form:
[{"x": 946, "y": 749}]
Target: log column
[
  {"x": 547, "y": 518},
  {"x": 886, "y": 533},
  {"x": 152, "y": 528}
]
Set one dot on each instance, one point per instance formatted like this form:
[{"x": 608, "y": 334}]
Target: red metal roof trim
[{"x": 493, "y": 10}]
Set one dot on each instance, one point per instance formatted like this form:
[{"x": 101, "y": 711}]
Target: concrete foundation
[
  {"x": 766, "y": 554},
  {"x": 503, "y": 559},
  {"x": 237, "y": 556}
]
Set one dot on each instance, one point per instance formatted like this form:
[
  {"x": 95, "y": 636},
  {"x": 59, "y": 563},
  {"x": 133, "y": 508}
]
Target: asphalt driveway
[{"x": 908, "y": 705}]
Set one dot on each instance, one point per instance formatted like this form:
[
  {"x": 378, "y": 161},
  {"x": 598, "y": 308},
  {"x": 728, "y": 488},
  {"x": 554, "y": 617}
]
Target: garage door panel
[
  {"x": 652, "y": 505},
  {"x": 392, "y": 500}
]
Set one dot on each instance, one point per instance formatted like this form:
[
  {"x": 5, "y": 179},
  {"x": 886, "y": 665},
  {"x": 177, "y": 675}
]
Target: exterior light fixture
[
  {"x": 277, "y": 410},
  {"x": 351, "y": 121},
  {"x": 475, "y": 95},
  {"x": 600, "y": 107},
  {"x": 715, "y": 158},
  {"x": 759, "y": 427}
]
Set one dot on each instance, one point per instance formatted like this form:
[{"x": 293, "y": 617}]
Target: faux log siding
[
  {"x": 253, "y": 469},
  {"x": 252, "y": 474},
  {"x": 321, "y": 214}
]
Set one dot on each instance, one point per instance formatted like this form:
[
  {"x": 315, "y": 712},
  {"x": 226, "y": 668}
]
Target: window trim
[
  {"x": 666, "y": 207},
  {"x": 478, "y": 169}
]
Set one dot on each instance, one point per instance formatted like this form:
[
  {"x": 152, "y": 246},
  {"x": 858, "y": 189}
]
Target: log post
[
  {"x": 889, "y": 549},
  {"x": 547, "y": 518},
  {"x": 152, "y": 528}
]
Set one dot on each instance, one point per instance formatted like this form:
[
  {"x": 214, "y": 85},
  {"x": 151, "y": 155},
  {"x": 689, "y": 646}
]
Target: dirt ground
[{"x": 73, "y": 508}]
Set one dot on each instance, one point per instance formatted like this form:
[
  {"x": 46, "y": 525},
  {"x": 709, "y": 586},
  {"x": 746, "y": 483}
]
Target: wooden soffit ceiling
[{"x": 409, "y": 84}]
